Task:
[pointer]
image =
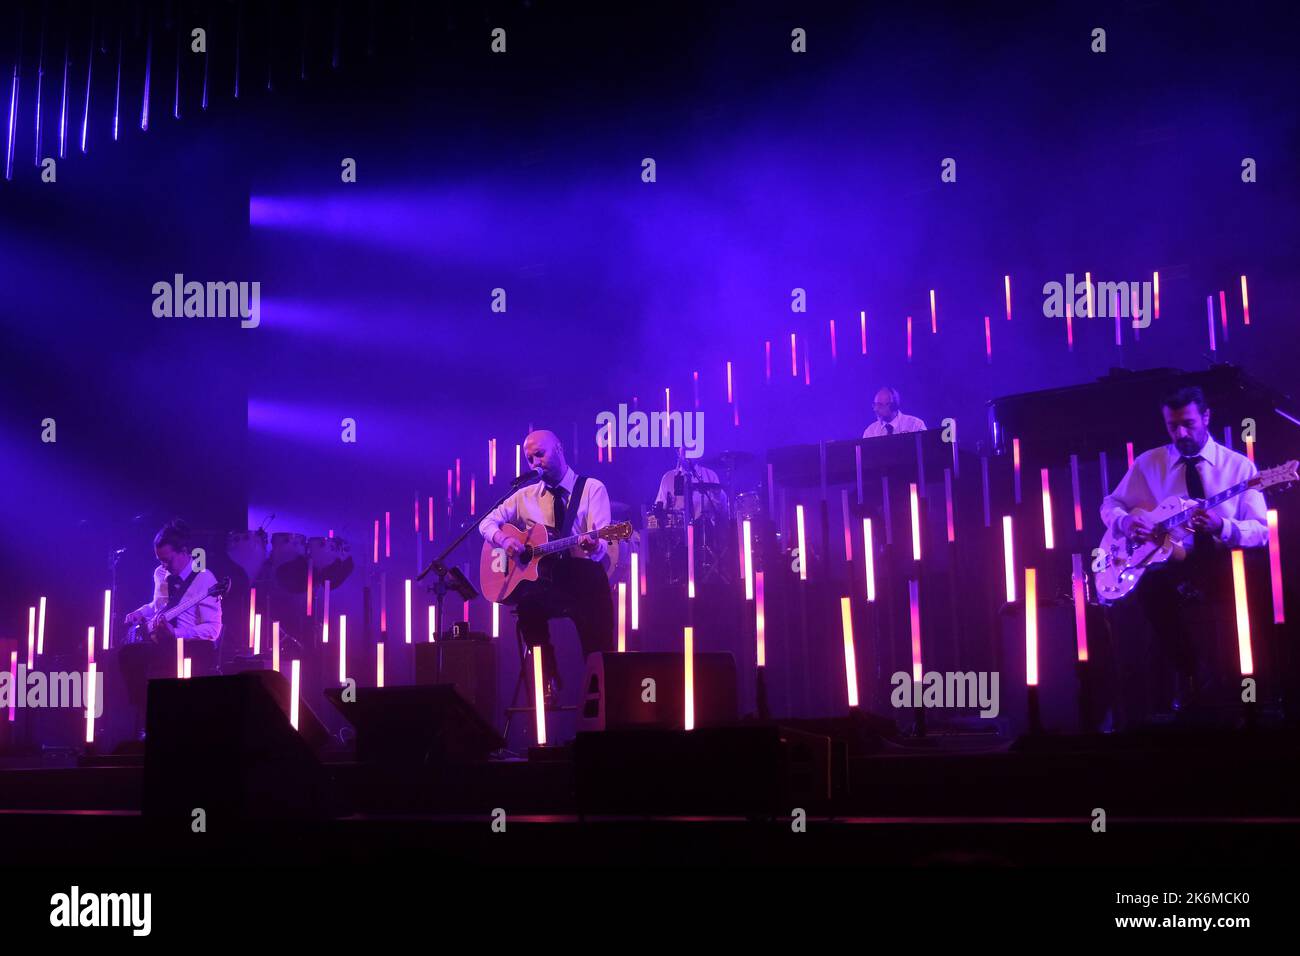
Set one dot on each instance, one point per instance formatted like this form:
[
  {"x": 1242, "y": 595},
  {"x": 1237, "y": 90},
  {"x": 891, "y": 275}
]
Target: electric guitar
[
  {"x": 499, "y": 574},
  {"x": 1120, "y": 561},
  {"x": 143, "y": 631}
]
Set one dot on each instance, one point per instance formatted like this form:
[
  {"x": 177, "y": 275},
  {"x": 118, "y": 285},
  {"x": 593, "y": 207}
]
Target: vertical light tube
[
  {"x": 1006, "y": 281},
  {"x": 622, "y": 617},
  {"x": 1015, "y": 465},
  {"x": 295, "y": 691},
  {"x": 730, "y": 391},
  {"x": 187, "y": 667},
  {"x": 13, "y": 682},
  {"x": 407, "y": 614},
  {"x": 690, "y": 560},
  {"x": 180, "y": 657},
  {"x": 850, "y": 659},
  {"x": 379, "y": 664},
  {"x": 496, "y": 619},
  {"x": 947, "y": 502},
  {"x": 40, "y": 628},
  {"x": 988, "y": 342},
  {"x": 1245, "y": 303},
  {"x": 1031, "y": 627},
  {"x": 1087, "y": 278},
  {"x": 31, "y": 638},
  {"x": 1128, "y": 451},
  {"x": 325, "y": 622},
  {"x": 1243, "y": 613},
  {"x": 1209, "y": 318},
  {"x": 760, "y": 622},
  {"x": 539, "y": 696},
  {"x": 803, "y": 551},
  {"x": 864, "y": 331},
  {"x": 108, "y": 619},
  {"x": 433, "y": 623},
  {"x": 916, "y": 523},
  {"x": 934, "y": 316},
  {"x": 1009, "y": 558},
  {"x": 794, "y": 357},
  {"x": 252, "y": 613},
  {"x": 914, "y": 610},
  {"x": 747, "y": 536},
  {"x": 1155, "y": 288},
  {"x": 92, "y": 688},
  {"x": 909, "y": 338},
  {"x": 1074, "y": 491},
  {"x": 636, "y": 592},
  {"x": 343, "y": 648},
  {"x": 689, "y": 678},
  {"x": 1049, "y": 539},
  {"x": 1080, "y": 606},
  {"x": 1275, "y": 566},
  {"x": 90, "y": 645},
  {"x": 275, "y": 646},
  {"x": 257, "y": 636},
  {"x": 869, "y": 553}
]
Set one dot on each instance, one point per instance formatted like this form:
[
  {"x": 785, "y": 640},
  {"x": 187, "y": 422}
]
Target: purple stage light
[
  {"x": 148, "y": 73},
  {"x": 90, "y": 70},
  {"x": 63, "y": 108},
  {"x": 117, "y": 94},
  {"x": 40, "y": 73},
  {"x": 13, "y": 120}
]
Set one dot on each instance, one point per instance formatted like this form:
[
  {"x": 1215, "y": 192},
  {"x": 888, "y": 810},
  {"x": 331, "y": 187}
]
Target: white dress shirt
[
  {"x": 668, "y": 490},
  {"x": 535, "y": 504},
  {"x": 202, "y": 621},
  {"x": 1157, "y": 474},
  {"x": 902, "y": 424}
]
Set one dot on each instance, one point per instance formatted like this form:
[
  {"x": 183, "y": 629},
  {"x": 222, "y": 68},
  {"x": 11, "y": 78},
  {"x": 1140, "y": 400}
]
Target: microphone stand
[{"x": 438, "y": 566}]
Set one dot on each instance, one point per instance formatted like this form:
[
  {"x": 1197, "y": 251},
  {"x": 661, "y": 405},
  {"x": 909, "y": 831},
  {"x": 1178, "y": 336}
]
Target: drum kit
[
  {"x": 284, "y": 556},
  {"x": 721, "y": 510}
]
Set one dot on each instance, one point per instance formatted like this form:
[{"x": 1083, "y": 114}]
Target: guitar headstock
[
  {"x": 220, "y": 588},
  {"x": 620, "y": 531},
  {"x": 1286, "y": 474}
]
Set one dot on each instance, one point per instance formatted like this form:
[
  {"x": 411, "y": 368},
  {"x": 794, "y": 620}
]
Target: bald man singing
[{"x": 574, "y": 584}]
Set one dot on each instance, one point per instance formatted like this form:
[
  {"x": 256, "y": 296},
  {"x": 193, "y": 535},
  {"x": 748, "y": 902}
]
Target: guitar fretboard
[{"x": 1174, "y": 521}]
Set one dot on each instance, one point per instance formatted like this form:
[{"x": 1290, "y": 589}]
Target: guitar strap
[
  {"x": 571, "y": 512},
  {"x": 180, "y": 595}
]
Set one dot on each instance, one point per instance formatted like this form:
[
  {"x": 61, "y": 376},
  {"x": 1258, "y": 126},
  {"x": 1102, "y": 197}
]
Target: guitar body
[
  {"x": 499, "y": 574},
  {"x": 1123, "y": 561}
]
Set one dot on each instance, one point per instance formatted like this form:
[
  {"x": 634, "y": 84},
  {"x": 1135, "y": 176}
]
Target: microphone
[{"x": 532, "y": 474}]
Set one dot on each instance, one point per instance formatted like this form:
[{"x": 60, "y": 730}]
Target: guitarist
[
  {"x": 1187, "y": 603},
  {"x": 199, "y": 626},
  {"x": 572, "y": 585}
]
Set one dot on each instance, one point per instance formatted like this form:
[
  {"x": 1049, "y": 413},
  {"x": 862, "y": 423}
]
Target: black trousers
[
  {"x": 148, "y": 661},
  {"x": 570, "y": 587},
  {"x": 1190, "y": 648}
]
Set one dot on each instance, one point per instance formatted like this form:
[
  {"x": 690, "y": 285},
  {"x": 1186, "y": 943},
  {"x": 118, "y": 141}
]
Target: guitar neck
[
  {"x": 560, "y": 544},
  {"x": 1225, "y": 495}
]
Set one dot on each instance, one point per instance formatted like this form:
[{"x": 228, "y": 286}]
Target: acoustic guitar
[{"x": 499, "y": 574}]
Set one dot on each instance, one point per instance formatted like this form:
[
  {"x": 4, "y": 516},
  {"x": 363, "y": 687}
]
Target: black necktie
[
  {"x": 174, "y": 584},
  {"x": 1196, "y": 489},
  {"x": 557, "y": 496},
  {"x": 889, "y": 429}
]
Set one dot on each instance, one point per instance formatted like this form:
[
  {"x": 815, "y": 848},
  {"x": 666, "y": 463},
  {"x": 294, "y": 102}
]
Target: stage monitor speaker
[
  {"x": 616, "y": 694},
  {"x": 225, "y": 745},
  {"x": 426, "y": 724},
  {"x": 468, "y": 665}
]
